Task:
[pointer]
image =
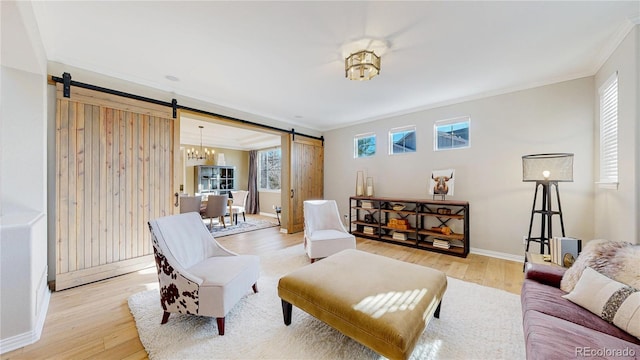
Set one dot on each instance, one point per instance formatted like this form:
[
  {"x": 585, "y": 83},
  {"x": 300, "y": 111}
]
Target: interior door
[
  {"x": 115, "y": 164},
  {"x": 306, "y": 177}
]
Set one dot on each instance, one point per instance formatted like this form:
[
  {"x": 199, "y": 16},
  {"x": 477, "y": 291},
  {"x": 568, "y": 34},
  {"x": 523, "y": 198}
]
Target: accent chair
[
  {"x": 324, "y": 233},
  {"x": 197, "y": 275}
]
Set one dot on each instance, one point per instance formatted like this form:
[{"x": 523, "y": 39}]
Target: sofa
[{"x": 557, "y": 328}]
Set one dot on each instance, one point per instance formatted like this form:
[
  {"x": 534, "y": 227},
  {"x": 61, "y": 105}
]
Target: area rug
[
  {"x": 240, "y": 227},
  {"x": 476, "y": 322}
]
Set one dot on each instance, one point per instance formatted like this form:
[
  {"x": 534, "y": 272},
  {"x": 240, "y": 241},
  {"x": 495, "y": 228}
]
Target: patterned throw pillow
[{"x": 613, "y": 301}]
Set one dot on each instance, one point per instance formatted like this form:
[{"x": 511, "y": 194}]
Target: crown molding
[{"x": 616, "y": 40}]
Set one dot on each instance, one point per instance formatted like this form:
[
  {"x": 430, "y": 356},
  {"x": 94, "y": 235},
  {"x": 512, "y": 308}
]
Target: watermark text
[{"x": 604, "y": 352}]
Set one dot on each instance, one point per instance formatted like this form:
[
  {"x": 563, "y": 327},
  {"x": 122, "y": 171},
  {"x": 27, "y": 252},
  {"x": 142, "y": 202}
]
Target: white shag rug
[{"x": 476, "y": 322}]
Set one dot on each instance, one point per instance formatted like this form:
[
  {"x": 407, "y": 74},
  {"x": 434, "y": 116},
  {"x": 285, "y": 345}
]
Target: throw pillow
[
  {"x": 615, "y": 259},
  {"x": 613, "y": 301}
]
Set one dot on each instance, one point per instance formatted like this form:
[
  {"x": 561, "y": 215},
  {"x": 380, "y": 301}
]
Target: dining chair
[
  {"x": 239, "y": 204},
  {"x": 190, "y": 204},
  {"x": 216, "y": 208}
]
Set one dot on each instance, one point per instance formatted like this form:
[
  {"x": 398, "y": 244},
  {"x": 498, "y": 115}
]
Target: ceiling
[
  {"x": 285, "y": 60},
  {"x": 222, "y": 136}
]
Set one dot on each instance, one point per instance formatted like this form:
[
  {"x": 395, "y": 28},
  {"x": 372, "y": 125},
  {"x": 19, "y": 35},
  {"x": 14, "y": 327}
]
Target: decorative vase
[
  {"x": 369, "y": 186},
  {"x": 360, "y": 183}
]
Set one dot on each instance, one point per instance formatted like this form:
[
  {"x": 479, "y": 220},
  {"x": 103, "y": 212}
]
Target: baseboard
[
  {"x": 497, "y": 255},
  {"x": 268, "y": 214},
  {"x": 29, "y": 337}
]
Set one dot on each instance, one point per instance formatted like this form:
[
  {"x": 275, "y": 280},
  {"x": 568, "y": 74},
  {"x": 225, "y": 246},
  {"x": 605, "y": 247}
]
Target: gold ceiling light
[{"x": 362, "y": 65}]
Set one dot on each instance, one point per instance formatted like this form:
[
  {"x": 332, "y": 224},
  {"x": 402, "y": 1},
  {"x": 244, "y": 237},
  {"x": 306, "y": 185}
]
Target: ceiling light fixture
[
  {"x": 203, "y": 154},
  {"x": 362, "y": 65}
]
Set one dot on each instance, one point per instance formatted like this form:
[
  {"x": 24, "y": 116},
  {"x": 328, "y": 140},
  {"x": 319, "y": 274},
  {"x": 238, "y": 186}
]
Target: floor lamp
[{"x": 546, "y": 170}]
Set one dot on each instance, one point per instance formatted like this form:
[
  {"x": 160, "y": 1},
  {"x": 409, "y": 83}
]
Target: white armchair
[
  {"x": 196, "y": 274},
  {"x": 324, "y": 233}
]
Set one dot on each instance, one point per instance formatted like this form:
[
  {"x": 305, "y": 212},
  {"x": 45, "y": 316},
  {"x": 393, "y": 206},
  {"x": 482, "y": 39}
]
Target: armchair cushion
[
  {"x": 220, "y": 281},
  {"x": 329, "y": 234}
]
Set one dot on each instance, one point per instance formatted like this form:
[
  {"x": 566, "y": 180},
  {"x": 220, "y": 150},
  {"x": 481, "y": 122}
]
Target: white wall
[
  {"x": 553, "y": 118},
  {"x": 269, "y": 199},
  {"x": 24, "y": 295},
  {"x": 616, "y": 211}
]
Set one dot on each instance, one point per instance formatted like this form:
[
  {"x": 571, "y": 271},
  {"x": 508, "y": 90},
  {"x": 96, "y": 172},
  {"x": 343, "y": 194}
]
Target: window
[
  {"x": 402, "y": 140},
  {"x": 269, "y": 169},
  {"x": 451, "y": 134},
  {"x": 364, "y": 145},
  {"x": 608, "y": 94}
]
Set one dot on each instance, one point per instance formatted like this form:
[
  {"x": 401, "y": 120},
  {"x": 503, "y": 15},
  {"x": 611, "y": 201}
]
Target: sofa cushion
[
  {"x": 548, "y": 337},
  {"x": 613, "y": 301},
  {"x": 548, "y": 300}
]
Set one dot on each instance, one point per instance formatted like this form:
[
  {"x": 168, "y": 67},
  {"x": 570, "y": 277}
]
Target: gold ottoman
[{"x": 382, "y": 303}]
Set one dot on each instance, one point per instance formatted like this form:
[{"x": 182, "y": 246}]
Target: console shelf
[{"x": 412, "y": 222}]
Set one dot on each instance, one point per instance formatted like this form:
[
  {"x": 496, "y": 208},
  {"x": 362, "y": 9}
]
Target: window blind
[{"x": 608, "y": 93}]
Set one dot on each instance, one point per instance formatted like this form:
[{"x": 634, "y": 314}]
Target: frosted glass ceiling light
[{"x": 362, "y": 65}]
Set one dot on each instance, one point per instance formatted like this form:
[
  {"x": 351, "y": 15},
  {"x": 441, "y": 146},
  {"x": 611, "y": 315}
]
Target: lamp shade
[{"x": 547, "y": 167}]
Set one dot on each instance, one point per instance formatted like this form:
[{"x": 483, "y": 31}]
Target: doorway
[
  {"x": 301, "y": 167},
  {"x": 220, "y": 142}
]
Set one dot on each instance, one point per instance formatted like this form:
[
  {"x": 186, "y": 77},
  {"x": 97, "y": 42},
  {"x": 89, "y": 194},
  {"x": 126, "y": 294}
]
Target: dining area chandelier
[{"x": 204, "y": 153}]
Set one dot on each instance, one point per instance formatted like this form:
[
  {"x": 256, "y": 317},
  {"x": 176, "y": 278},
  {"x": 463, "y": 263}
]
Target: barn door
[
  {"x": 306, "y": 173},
  {"x": 114, "y": 171}
]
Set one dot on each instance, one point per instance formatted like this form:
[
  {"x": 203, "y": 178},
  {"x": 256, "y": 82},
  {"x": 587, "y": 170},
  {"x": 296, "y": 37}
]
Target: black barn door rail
[{"x": 67, "y": 83}]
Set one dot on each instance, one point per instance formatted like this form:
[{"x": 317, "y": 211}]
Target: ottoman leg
[
  {"x": 437, "y": 313},
  {"x": 286, "y": 312}
]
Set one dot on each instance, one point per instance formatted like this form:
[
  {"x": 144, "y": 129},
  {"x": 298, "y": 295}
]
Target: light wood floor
[{"x": 93, "y": 321}]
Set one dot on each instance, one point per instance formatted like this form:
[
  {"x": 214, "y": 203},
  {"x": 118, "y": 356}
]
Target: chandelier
[
  {"x": 362, "y": 65},
  {"x": 202, "y": 154}
]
